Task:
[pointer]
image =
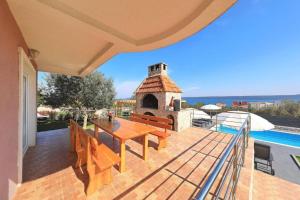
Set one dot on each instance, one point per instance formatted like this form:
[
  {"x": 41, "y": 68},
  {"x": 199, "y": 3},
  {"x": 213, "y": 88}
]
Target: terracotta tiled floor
[
  {"x": 175, "y": 172},
  {"x": 268, "y": 187}
]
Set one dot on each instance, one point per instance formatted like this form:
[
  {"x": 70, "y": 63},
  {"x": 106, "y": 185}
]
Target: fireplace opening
[{"x": 150, "y": 101}]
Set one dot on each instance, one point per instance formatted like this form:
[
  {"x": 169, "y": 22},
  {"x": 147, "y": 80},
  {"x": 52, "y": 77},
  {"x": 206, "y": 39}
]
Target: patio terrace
[{"x": 172, "y": 173}]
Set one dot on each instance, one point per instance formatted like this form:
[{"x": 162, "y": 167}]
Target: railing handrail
[{"x": 216, "y": 171}]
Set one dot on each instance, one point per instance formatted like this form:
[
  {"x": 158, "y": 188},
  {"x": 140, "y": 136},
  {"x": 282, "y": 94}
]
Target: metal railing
[{"x": 231, "y": 162}]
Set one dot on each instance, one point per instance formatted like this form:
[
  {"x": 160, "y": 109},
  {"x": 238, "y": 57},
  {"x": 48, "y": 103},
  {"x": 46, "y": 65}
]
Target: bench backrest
[
  {"x": 73, "y": 133},
  {"x": 93, "y": 146},
  {"x": 152, "y": 120},
  {"x": 91, "y": 151},
  {"x": 81, "y": 139},
  {"x": 88, "y": 144}
]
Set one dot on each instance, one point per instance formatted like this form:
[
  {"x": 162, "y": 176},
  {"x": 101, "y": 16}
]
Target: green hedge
[
  {"x": 48, "y": 125},
  {"x": 51, "y": 125}
]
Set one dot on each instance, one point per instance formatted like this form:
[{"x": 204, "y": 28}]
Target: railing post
[
  {"x": 245, "y": 141},
  {"x": 217, "y": 122},
  {"x": 234, "y": 170},
  {"x": 192, "y": 118},
  {"x": 248, "y": 129}
]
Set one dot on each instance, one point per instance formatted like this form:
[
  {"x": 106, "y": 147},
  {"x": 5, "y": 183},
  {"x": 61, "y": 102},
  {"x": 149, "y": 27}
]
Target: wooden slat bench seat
[
  {"x": 160, "y": 134},
  {"x": 99, "y": 159},
  {"x": 163, "y": 123}
]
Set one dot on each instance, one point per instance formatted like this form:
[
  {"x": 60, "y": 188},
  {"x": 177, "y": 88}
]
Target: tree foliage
[
  {"x": 39, "y": 97},
  {"x": 197, "y": 105},
  {"x": 97, "y": 91},
  {"x": 91, "y": 92},
  {"x": 284, "y": 109}
]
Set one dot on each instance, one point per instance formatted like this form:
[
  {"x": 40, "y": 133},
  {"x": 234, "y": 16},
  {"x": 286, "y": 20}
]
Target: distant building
[
  {"x": 240, "y": 104},
  {"x": 260, "y": 105}
]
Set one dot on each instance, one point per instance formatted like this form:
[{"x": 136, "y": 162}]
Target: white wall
[{"x": 168, "y": 97}]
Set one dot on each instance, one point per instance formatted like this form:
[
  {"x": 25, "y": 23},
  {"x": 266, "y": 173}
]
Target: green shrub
[
  {"x": 64, "y": 115},
  {"x": 197, "y": 105}
]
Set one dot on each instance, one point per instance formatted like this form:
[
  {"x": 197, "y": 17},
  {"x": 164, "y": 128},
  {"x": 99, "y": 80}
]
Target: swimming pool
[{"x": 268, "y": 136}]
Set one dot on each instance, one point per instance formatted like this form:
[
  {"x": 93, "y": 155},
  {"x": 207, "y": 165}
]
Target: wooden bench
[
  {"x": 159, "y": 122},
  {"x": 98, "y": 158}
]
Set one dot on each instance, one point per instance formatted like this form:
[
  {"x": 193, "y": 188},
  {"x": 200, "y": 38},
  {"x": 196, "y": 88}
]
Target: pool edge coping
[{"x": 277, "y": 143}]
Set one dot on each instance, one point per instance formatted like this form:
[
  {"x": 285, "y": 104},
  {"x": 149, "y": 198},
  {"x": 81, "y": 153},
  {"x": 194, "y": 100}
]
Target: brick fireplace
[{"x": 159, "y": 96}]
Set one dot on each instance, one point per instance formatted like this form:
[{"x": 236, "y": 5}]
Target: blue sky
[{"x": 253, "y": 49}]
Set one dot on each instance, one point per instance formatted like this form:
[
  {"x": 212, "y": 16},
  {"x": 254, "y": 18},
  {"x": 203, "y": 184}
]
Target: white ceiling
[{"x": 75, "y": 37}]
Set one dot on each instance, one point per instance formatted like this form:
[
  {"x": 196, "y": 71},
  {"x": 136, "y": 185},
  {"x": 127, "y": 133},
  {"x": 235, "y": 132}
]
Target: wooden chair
[
  {"x": 100, "y": 160},
  {"x": 81, "y": 140},
  {"x": 263, "y": 156},
  {"x": 159, "y": 122},
  {"x": 73, "y": 132}
]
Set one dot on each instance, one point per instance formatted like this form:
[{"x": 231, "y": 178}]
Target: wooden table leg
[
  {"x": 145, "y": 147},
  {"x": 122, "y": 154}
]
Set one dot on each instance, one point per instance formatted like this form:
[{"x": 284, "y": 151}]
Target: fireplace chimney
[{"x": 158, "y": 69}]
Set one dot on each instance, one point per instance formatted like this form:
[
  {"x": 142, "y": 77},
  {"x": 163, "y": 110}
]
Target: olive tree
[{"x": 91, "y": 92}]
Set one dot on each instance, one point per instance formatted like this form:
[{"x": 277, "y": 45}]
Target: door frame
[
  {"x": 24, "y": 61},
  {"x": 27, "y": 123}
]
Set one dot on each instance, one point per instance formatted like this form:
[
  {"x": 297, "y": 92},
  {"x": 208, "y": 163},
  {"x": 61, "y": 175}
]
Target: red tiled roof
[
  {"x": 158, "y": 83},
  {"x": 239, "y": 104}
]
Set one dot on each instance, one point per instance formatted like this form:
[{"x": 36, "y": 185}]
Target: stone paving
[
  {"x": 285, "y": 184},
  {"x": 269, "y": 187},
  {"x": 176, "y": 172}
]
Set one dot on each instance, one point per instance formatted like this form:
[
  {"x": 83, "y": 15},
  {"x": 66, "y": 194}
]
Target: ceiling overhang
[{"x": 75, "y": 37}]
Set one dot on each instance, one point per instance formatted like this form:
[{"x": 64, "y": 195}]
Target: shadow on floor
[{"x": 175, "y": 173}]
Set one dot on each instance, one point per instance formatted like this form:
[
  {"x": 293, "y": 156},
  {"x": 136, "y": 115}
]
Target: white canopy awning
[
  {"x": 235, "y": 119},
  {"x": 199, "y": 114},
  {"x": 75, "y": 37},
  {"x": 211, "y": 107}
]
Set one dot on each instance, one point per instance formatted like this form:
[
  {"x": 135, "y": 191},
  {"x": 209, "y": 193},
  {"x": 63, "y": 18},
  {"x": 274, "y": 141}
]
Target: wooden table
[{"x": 123, "y": 130}]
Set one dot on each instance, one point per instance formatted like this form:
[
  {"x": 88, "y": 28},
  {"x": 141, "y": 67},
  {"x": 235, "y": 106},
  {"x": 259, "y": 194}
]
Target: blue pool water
[{"x": 268, "y": 136}]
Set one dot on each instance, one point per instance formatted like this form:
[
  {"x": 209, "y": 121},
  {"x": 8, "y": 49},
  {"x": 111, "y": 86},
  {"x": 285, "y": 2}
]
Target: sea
[{"x": 229, "y": 99}]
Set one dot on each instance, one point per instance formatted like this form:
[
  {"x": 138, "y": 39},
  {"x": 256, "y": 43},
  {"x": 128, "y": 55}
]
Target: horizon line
[
  {"x": 268, "y": 95},
  {"x": 242, "y": 95}
]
